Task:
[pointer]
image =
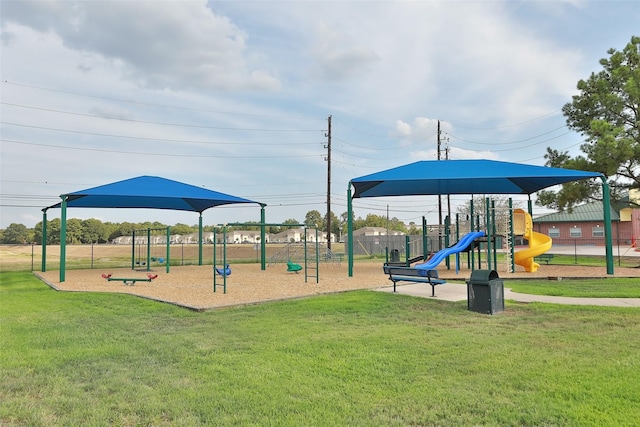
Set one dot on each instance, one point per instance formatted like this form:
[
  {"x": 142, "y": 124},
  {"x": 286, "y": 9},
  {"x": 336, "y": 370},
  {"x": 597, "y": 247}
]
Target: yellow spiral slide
[{"x": 538, "y": 243}]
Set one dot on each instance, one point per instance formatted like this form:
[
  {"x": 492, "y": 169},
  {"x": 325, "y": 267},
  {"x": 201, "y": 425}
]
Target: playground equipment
[
  {"x": 500, "y": 224},
  {"x": 140, "y": 241},
  {"x": 462, "y": 245},
  {"x": 130, "y": 281},
  {"x": 311, "y": 261},
  {"x": 224, "y": 260},
  {"x": 308, "y": 252},
  {"x": 538, "y": 243},
  {"x": 292, "y": 266},
  {"x": 226, "y": 271}
]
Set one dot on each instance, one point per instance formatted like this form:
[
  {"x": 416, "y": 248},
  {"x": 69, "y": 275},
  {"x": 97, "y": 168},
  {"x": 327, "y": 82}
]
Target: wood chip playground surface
[{"x": 192, "y": 286}]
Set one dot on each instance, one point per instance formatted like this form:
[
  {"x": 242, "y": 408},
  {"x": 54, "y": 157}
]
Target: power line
[
  {"x": 544, "y": 116},
  {"x": 510, "y": 142},
  {"x": 146, "y": 153},
  {"x": 104, "y": 117},
  {"x": 174, "y": 107},
  {"x": 150, "y": 139}
]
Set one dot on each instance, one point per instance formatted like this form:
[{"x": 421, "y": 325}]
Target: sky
[{"x": 235, "y": 96}]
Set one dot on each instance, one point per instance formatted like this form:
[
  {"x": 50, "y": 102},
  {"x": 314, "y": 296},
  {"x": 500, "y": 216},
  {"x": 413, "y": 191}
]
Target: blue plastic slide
[{"x": 462, "y": 244}]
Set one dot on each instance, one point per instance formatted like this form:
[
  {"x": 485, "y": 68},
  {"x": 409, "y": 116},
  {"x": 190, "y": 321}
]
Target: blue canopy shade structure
[
  {"x": 443, "y": 177},
  {"x": 150, "y": 192},
  {"x": 143, "y": 192},
  {"x": 463, "y": 177}
]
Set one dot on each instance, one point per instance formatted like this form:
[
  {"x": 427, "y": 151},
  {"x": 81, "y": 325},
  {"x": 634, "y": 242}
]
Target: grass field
[
  {"x": 29, "y": 258},
  {"x": 360, "y": 358}
]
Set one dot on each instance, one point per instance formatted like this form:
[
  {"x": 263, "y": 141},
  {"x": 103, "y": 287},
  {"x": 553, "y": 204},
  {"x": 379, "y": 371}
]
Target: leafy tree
[
  {"x": 251, "y": 225},
  {"x": 315, "y": 219},
  {"x": 273, "y": 229},
  {"x": 94, "y": 231},
  {"x": 183, "y": 229},
  {"x": 606, "y": 112},
  {"x": 15, "y": 234},
  {"x": 344, "y": 223},
  {"x": 37, "y": 233},
  {"x": 373, "y": 220},
  {"x": 53, "y": 232},
  {"x": 413, "y": 229},
  {"x": 336, "y": 225},
  {"x": 121, "y": 229},
  {"x": 147, "y": 224},
  {"x": 291, "y": 221},
  {"x": 74, "y": 231}
]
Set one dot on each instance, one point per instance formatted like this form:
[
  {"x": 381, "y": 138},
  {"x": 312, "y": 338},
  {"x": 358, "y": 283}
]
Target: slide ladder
[{"x": 509, "y": 242}]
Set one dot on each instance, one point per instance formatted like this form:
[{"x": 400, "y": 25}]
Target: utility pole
[
  {"x": 329, "y": 183},
  {"x": 439, "y": 199}
]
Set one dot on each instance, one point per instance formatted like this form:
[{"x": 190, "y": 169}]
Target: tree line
[{"x": 93, "y": 230}]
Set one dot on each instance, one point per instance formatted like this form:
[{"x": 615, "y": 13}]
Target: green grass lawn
[
  {"x": 359, "y": 359},
  {"x": 610, "y": 287}
]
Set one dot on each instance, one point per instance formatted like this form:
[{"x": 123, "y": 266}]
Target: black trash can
[
  {"x": 395, "y": 255},
  {"x": 485, "y": 292}
]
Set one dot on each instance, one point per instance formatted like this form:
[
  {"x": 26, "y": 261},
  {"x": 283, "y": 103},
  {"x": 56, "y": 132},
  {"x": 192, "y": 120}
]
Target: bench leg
[{"x": 433, "y": 290}]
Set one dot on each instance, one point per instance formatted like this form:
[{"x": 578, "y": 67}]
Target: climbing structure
[{"x": 308, "y": 254}]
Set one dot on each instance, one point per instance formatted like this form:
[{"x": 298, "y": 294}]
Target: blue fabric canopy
[
  {"x": 430, "y": 177},
  {"x": 438, "y": 177},
  {"x": 150, "y": 192}
]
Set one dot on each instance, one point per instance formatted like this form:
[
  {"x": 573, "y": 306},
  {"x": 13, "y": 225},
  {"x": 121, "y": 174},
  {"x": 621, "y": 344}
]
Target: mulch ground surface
[{"x": 192, "y": 286}]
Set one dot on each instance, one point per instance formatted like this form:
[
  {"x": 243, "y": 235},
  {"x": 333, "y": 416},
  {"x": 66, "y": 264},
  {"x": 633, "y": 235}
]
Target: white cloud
[
  {"x": 403, "y": 129},
  {"x": 338, "y": 56},
  {"x": 158, "y": 44},
  {"x": 235, "y": 95},
  {"x": 454, "y": 154}
]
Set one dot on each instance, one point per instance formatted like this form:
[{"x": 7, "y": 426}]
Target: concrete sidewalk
[{"x": 458, "y": 292}]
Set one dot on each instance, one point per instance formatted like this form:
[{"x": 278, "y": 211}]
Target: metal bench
[
  {"x": 416, "y": 275},
  {"x": 546, "y": 258}
]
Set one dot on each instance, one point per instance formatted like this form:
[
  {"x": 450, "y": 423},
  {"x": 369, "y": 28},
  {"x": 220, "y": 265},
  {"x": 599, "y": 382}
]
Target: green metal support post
[
  {"x": 200, "y": 239},
  {"x": 487, "y": 224},
  {"x": 425, "y": 239},
  {"x": 494, "y": 232},
  {"x": 167, "y": 260},
  {"x": 214, "y": 260},
  {"x": 133, "y": 249},
  {"x": 263, "y": 244},
  {"x": 349, "y": 232},
  {"x": 63, "y": 238},
  {"x": 606, "y": 206},
  {"x": 44, "y": 240},
  {"x": 407, "y": 250},
  {"x": 148, "y": 249},
  {"x": 447, "y": 239}
]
